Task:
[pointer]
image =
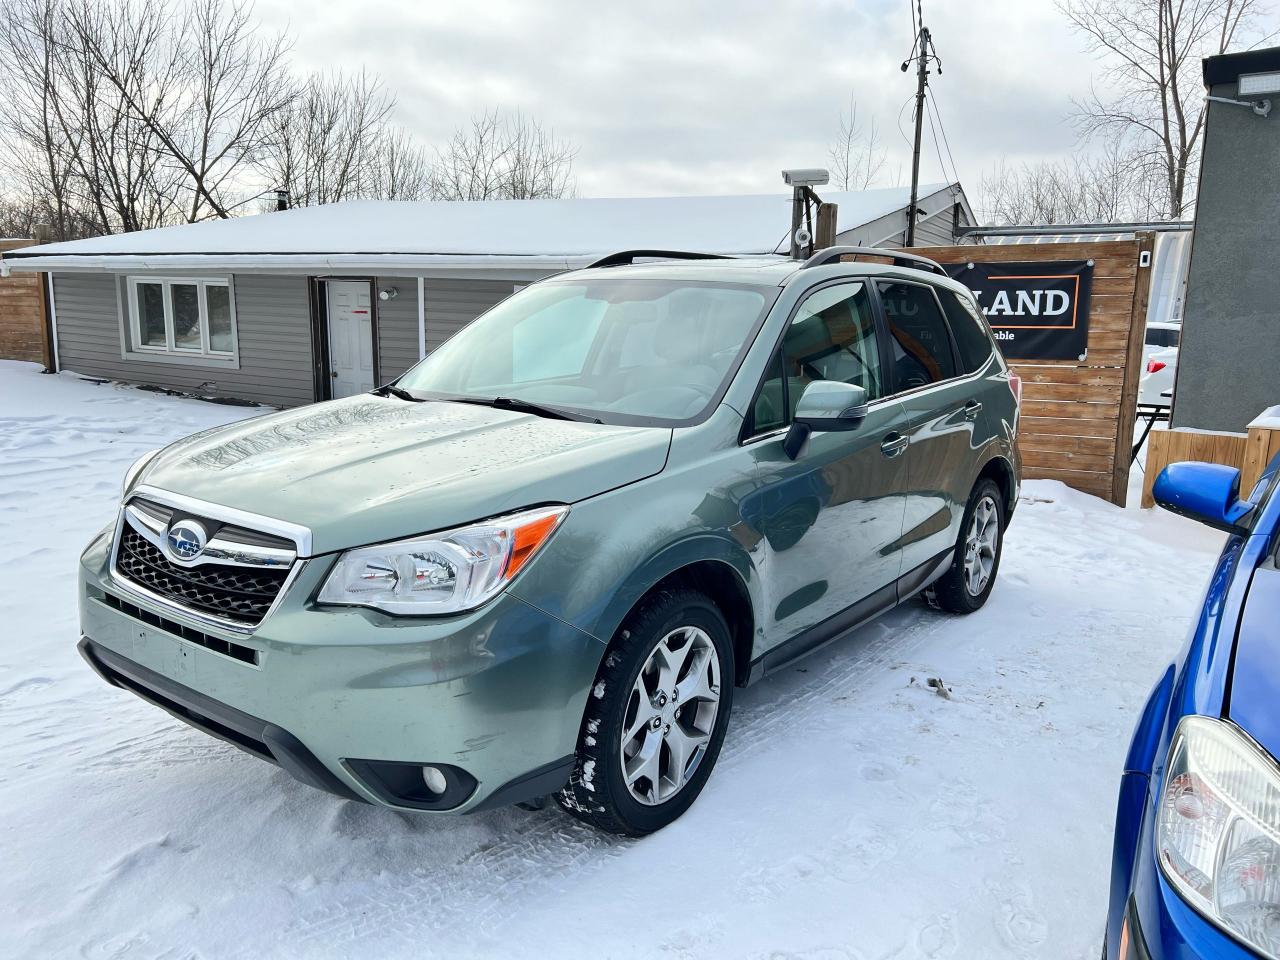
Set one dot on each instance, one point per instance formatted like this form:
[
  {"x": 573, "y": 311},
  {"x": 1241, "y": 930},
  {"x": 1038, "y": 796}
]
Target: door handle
[
  {"x": 972, "y": 409},
  {"x": 892, "y": 445}
]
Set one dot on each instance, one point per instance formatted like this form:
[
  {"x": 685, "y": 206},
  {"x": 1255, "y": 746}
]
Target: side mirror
[
  {"x": 1208, "y": 492},
  {"x": 825, "y": 405}
]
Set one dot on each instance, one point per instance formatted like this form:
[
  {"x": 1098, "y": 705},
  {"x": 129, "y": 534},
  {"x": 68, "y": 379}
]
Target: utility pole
[{"x": 921, "y": 52}]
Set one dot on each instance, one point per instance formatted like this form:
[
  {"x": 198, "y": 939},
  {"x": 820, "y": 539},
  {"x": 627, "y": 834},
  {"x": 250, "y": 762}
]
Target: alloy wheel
[
  {"x": 980, "y": 546},
  {"x": 670, "y": 715}
]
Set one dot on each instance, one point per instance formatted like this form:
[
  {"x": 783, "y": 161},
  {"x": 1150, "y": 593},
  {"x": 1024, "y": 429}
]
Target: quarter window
[
  {"x": 972, "y": 337},
  {"x": 831, "y": 337},
  {"x": 180, "y": 318},
  {"x": 918, "y": 337}
]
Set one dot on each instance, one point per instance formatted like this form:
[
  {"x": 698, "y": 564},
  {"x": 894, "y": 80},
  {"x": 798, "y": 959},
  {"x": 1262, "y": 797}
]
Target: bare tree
[
  {"x": 130, "y": 114},
  {"x": 857, "y": 160},
  {"x": 503, "y": 157},
  {"x": 1153, "y": 100},
  {"x": 210, "y": 88},
  {"x": 402, "y": 170},
  {"x": 1111, "y": 186},
  {"x": 334, "y": 142},
  {"x": 85, "y": 165}
]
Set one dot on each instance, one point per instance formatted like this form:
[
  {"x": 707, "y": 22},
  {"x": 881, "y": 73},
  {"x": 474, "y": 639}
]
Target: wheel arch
[
  {"x": 1000, "y": 470},
  {"x": 709, "y": 565}
]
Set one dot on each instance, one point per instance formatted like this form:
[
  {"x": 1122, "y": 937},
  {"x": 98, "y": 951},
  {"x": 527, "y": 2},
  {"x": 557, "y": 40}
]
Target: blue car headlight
[{"x": 1218, "y": 830}]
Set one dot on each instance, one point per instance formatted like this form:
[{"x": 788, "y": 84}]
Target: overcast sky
[{"x": 669, "y": 97}]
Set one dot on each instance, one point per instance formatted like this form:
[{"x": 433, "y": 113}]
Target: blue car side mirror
[{"x": 1208, "y": 492}]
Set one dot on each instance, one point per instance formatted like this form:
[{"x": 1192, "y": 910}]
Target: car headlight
[
  {"x": 446, "y": 572},
  {"x": 134, "y": 470},
  {"x": 1218, "y": 830}
]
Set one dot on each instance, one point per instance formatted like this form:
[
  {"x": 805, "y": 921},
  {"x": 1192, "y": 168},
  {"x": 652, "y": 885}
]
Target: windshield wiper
[
  {"x": 526, "y": 406},
  {"x": 400, "y": 393}
]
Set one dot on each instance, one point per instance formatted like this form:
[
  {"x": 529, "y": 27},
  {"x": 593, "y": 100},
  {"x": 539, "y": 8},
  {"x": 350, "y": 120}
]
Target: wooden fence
[
  {"x": 22, "y": 326},
  {"x": 1078, "y": 418},
  {"x": 1250, "y": 452}
]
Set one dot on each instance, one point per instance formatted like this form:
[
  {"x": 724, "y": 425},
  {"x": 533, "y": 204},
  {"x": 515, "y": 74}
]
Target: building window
[{"x": 180, "y": 319}]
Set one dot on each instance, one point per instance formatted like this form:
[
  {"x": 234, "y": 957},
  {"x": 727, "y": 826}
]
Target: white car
[
  {"x": 1155, "y": 389},
  {"x": 1160, "y": 335}
]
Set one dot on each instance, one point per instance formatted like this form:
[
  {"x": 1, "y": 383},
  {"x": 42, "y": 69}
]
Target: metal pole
[
  {"x": 922, "y": 80},
  {"x": 797, "y": 218}
]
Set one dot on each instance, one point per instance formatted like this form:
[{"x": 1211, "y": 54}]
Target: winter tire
[
  {"x": 966, "y": 585},
  {"x": 655, "y": 717}
]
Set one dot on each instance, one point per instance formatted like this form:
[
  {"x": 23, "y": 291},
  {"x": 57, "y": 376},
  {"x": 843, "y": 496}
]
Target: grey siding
[
  {"x": 452, "y": 304},
  {"x": 397, "y": 327},
  {"x": 273, "y": 328},
  {"x": 891, "y": 229},
  {"x": 936, "y": 231},
  {"x": 1230, "y": 337}
]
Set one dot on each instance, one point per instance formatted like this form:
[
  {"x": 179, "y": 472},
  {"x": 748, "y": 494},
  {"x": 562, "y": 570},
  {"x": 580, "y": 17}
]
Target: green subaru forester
[{"x": 540, "y": 562}]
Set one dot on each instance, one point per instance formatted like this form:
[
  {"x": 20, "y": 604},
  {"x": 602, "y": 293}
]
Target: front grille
[
  {"x": 237, "y": 651},
  {"x": 240, "y": 594}
]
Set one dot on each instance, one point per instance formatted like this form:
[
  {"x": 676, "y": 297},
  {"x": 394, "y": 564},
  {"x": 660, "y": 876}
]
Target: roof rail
[
  {"x": 626, "y": 257},
  {"x": 834, "y": 254}
]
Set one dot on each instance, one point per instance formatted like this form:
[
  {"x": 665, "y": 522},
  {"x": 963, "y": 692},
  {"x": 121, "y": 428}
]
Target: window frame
[
  {"x": 956, "y": 360},
  {"x": 131, "y": 345},
  {"x": 749, "y": 433},
  {"x": 992, "y": 346}
]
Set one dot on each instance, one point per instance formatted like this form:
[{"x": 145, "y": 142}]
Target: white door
[{"x": 350, "y": 338}]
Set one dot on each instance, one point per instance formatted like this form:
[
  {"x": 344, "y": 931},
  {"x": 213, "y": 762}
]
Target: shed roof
[{"x": 387, "y": 234}]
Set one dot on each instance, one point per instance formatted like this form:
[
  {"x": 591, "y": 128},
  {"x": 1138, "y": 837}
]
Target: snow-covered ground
[{"x": 854, "y": 813}]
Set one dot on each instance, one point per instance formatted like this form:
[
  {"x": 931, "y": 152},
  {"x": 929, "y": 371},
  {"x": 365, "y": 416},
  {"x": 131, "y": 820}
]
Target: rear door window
[
  {"x": 920, "y": 344},
  {"x": 969, "y": 329}
]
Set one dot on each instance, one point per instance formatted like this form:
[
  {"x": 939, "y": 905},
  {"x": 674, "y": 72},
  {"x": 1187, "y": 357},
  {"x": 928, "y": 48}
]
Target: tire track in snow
[{"x": 469, "y": 898}]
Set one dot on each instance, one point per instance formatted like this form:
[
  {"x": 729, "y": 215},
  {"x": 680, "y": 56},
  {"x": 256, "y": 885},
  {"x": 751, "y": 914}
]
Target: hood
[
  {"x": 367, "y": 469},
  {"x": 1255, "y": 669}
]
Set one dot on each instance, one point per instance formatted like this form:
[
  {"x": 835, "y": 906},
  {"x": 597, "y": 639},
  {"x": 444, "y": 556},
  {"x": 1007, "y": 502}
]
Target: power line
[
  {"x": 902, "y": 133},
  {"x": 937, "y": 110},
  {"x": 937, "y": 142}
]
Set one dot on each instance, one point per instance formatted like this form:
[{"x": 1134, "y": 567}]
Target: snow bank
[{"x": 855, "y": 813}]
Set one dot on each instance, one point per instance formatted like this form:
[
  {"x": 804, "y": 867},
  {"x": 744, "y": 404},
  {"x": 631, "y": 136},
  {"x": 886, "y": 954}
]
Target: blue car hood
[{"x": 1254, "y": 703}]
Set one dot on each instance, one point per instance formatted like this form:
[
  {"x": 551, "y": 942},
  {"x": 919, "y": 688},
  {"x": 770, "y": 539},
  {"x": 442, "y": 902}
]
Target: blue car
[{"x": 1196, "y": 866}]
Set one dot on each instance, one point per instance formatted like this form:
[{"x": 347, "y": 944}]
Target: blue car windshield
[{"x": 618, "y": 350}]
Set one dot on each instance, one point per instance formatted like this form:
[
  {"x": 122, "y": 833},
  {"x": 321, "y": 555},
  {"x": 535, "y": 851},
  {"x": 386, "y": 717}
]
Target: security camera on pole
[{"x": 802, "y": 183}]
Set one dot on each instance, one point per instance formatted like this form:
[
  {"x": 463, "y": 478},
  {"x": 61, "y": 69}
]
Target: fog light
[
  {"x": 403, "y": 783},
  {"x": 435, "y": 780}
]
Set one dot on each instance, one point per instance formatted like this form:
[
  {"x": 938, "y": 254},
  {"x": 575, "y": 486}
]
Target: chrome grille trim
[
  {"x": 300, "y": 535},
  {"x": 219, "y": 550},
  {"x": 145, "y": 524}
]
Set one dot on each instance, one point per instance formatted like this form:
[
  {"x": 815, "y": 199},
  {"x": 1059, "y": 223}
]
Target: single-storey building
[{"x": 302, "y": 305}]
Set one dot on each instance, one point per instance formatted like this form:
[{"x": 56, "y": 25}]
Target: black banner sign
[{"x": 1037, "y": 311}]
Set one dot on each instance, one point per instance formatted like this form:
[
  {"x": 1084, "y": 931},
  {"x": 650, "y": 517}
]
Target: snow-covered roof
[{"x": 388, "y": 234}]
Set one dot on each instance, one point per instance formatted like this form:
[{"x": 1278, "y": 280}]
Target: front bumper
[{"x": 497, "y": 693}]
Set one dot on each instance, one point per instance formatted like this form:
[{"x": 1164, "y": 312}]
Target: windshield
[{"x": 622, "y": 351}]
